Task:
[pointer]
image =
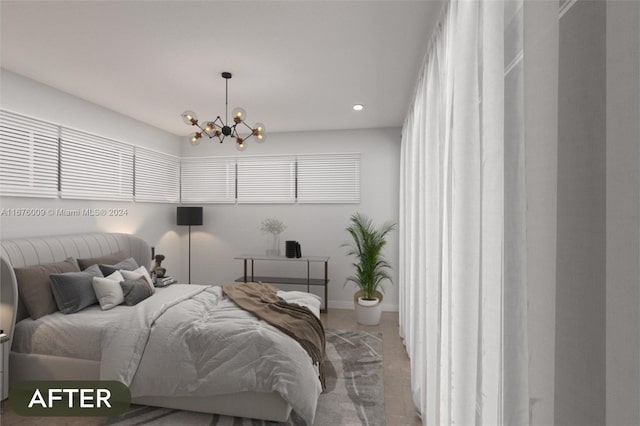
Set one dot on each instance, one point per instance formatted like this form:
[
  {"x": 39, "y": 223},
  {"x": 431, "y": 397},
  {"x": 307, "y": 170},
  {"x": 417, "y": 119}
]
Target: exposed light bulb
[
  {"x": 189, "y": 117},
  {"x": 358, "y": 107},
  {"x": 239, "y": 115},
  {"x": 195, "y": 138},
  {"x": 210, "y": 127},
  {"x": 259, "y": 131}
]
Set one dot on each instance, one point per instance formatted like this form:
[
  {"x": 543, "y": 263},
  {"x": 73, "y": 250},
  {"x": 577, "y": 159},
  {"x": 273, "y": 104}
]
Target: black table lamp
[{"x": 190, "y": 216}]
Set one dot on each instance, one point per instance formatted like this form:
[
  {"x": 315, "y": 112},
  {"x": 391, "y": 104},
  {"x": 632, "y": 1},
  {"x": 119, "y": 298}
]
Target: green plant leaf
[{"x": 368, "y": 242}]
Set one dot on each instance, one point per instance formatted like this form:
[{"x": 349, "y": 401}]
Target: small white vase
[{"x": 273, "y": 247}]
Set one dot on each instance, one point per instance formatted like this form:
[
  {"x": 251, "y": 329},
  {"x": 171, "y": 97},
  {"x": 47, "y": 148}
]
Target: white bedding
[
  {"x": 185, "y": 340},
  {"x": 74, "y": 336}
]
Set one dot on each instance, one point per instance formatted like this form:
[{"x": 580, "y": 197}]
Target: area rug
[{"x": 354, "y": 395}]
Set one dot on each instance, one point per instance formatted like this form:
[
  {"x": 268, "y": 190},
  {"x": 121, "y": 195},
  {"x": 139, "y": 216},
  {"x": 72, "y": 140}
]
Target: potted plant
[{"x": 371, "y": 267}]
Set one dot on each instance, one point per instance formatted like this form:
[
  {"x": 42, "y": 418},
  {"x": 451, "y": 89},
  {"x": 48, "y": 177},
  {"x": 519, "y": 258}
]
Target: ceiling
[{"x": 297, "y": 65}]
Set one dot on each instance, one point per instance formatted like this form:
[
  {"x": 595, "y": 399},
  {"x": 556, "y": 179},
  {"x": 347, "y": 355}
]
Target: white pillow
[
  {"x": 141, "y": 272},
  {"x": 108, "y": 290}
]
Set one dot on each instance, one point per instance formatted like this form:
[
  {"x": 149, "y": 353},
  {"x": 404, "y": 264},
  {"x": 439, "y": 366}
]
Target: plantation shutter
[
  {"x": 28, "y": 157},
  {"x": 329, "y": 178},
  {"x": 266, "y": 179},
  {"x": 208, "y": 180},
  {"x": 95, "y": 168},
  {"x": 157, "y": 176}
]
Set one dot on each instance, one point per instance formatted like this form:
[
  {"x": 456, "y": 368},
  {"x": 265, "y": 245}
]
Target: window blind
[
  {"x": 329, "y": 178},
  {"x": 157, "y": 176},
  {"x": 95, "y": 168},
  {"x": 208, "y": 180},
  {"x": 266, "y": 179},
  {"x": 28, "y": 157}
]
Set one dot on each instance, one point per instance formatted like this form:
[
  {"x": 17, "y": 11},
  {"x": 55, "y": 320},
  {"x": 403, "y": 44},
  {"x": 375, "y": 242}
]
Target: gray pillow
[
  {"x": 94, "y": 270},
  {"x": 73, "y": 291},
  {"x": 128, "y": 264},
  {"x": 106, "y": 259},
  {"x": 135, "y": 291},
  {"x": 34, "y": 286}
]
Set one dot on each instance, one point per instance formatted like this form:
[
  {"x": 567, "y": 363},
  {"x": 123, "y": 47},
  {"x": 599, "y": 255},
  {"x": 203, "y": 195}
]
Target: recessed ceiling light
[{"x": 358, "y": 107}]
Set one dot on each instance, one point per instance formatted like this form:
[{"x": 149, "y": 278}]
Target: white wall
[
  {"x": 541, "y": 118},
  {"x": 580, "y": 344},
  {"x": 153, "y": 222},
  {"x": 231, "y": 230},
  {"x": 583, "y": 187},
  {"x": 623, "y": 214}
]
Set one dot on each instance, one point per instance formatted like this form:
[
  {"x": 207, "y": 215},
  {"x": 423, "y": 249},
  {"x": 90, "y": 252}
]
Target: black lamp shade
[{"x": 189, "y": 215}]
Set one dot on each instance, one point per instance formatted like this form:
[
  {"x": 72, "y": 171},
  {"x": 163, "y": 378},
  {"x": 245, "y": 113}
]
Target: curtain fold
[{"x": 462, "y": 270}]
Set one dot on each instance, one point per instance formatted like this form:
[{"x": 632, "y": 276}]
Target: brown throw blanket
[{"x": 296, "y": 321}]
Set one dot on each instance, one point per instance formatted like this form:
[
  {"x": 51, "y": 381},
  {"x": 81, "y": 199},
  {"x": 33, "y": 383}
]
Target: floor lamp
[{"x": 190, "y": 216}]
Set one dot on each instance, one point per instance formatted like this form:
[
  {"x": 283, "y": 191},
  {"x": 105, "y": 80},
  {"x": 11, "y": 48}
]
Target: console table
[{"x": 308, "y": 281}]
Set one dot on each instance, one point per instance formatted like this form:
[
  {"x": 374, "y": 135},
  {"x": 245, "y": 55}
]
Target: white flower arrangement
[{"x": 272, "y": 226}]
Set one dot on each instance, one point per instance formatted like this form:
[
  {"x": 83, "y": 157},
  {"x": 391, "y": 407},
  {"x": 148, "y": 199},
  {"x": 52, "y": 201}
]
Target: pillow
[
  {"x": 141, "y": 272},
  {"x": 108, "y": 290},
  {"x": 108, "y": 259},
  {"x": 128, "y": 264},
  {"x": 94, "y": 270},
  {"x": 34, "y": 286},
  {"x": 73, "y": 291},
  {"x": 135, "y": 291}
]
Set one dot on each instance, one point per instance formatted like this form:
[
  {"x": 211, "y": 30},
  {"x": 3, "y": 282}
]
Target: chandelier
[{"x": 221, "y": 129}]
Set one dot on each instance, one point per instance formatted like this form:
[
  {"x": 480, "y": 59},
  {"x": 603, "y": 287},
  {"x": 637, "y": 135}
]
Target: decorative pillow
[
  {"x": 94, "y": 270},
  {"x": 107, "y": 259},
  {"x": 108, "y": 290},
  {"x": 128, "y": 264},
  {"x": 73, "y": 291},
  {"x": 34, "y": 286},
  {"x": 135, "y": 291},
  {"x": 141, "y": 272}
]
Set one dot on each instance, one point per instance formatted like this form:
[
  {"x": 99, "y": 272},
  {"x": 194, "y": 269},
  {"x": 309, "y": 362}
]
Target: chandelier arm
[
  {"x": 199, "y": 127},
  {"x": 250, "y": 130},
  {"x": 247, "y": 126},
  {"x": 218, "y": 122}
]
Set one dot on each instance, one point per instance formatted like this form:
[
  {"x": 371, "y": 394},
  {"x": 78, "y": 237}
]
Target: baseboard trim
[{"x": 341, "y": 304}]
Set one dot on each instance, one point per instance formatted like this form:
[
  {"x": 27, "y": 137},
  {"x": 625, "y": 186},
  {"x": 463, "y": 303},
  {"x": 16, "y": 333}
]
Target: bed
[{"x": 44, "y": 349}]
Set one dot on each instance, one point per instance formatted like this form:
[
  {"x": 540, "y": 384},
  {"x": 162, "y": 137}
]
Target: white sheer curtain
[{"x": 462, "y": 229}]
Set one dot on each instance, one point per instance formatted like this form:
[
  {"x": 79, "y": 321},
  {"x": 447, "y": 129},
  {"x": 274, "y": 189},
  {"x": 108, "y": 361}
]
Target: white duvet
[{"x": 191, "y": 340}]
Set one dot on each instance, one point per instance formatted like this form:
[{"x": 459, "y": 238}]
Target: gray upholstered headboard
[{"x": 33, "y": 251}]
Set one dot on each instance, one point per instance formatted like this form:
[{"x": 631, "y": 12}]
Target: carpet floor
[{"x": 354, "y": 394}]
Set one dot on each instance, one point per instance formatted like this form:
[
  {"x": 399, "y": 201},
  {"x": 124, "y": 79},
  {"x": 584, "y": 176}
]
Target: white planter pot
[{"x": 368, "y": 312}]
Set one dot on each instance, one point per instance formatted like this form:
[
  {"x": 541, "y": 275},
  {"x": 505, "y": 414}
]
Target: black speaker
[{"x": 290, "y": 249}]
